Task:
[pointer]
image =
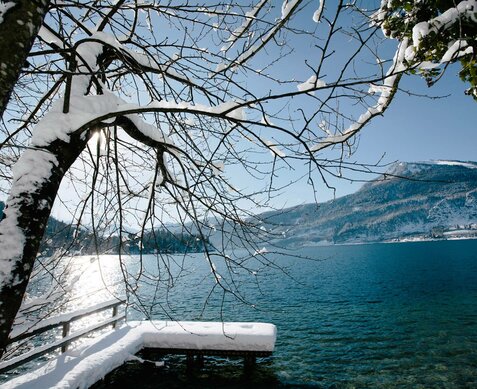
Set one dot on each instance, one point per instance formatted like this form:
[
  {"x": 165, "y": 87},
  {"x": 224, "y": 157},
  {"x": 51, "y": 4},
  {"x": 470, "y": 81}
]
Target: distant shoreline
[{"x": 403, "y": 240}]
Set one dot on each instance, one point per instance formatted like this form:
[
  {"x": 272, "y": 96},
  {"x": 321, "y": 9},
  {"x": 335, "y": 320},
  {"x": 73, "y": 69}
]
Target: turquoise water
[
  {"x": 384, "y": 315},
  {"x": 381, "y": 315},
  {"x": 362, "y": 316}
]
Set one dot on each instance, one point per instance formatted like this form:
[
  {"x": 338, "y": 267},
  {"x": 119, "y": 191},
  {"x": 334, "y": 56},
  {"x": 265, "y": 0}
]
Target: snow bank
[{"x": 90, "y": 362}]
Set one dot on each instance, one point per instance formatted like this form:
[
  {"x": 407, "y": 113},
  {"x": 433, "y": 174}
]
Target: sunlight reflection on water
[{"x": 95, "y": 279}]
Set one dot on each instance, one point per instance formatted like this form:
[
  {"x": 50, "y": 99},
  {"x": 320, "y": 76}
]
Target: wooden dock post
[
  {"x": 249, "y": 363},
  {"x": 66, "y": 332},
  {"x": 115, "y": 312},
  {"x": 199, "y": 361}
]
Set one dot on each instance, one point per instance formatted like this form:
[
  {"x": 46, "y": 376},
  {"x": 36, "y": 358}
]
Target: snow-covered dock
[{"x": 87, "y": 364}]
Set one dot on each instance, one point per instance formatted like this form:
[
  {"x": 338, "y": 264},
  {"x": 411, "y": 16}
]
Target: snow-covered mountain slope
[{"x": 411, "y": 200}]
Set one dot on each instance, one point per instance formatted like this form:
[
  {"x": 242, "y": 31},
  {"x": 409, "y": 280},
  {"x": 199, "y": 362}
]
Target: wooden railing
[{"x": 63, "y": 321}]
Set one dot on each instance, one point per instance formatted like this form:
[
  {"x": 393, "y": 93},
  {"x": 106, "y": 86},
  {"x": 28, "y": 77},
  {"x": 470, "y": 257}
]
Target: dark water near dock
[{"x": 381, "y": 315}]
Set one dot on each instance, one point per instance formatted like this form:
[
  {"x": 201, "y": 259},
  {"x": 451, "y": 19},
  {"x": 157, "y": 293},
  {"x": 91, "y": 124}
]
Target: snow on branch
[
  {"x": 319, "y": 12},
  {"x": 311, "y": 84},
  {"x": 50, "y": 37},
  {"x": 274, "y": 149},
  {"x": 465, "y": 10},
  {"x": 456, "y": 50},
  {"x": 288, "y": 8},
  {"x": 140, "y": 61},
  {"x": 86, "y": 111},
  {"x": 240, "y": 31},
  {"x": 386, "y": 93}
]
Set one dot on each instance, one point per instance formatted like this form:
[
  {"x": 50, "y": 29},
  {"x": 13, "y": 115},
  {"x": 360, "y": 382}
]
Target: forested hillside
[{"x": 412, "y": 200}]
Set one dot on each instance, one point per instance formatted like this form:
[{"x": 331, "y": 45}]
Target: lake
[{"x": 377, "y": 315}]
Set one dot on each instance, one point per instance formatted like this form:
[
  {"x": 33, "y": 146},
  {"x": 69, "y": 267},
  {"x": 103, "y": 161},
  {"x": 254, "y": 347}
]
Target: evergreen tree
[{"x": 436, "y": 32}]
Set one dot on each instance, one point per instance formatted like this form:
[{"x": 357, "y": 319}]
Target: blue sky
[
  {"x": 417, "y": 128},
  {"x": 413, "y": 129}
]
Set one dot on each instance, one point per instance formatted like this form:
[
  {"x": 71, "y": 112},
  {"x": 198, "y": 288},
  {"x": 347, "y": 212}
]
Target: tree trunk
[
  {"x": 18, "y": 31},
  {"x": 26, "y": 215}
]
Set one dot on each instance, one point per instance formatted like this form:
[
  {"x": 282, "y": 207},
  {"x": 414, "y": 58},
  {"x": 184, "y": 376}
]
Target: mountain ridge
[{"x": 412, "y": 200}]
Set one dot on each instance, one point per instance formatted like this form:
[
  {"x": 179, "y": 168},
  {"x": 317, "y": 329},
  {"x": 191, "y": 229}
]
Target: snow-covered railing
[
  {"x": 94, "y": 359},
  {"x": 64, "y": 321}
]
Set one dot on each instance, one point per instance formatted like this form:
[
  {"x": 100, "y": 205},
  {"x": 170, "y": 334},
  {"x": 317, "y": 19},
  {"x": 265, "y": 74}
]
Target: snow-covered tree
[
  {"x": 20, "y": 20},
  {"x": 155, "y": 111},
  {"x": 435, "y": 34}
]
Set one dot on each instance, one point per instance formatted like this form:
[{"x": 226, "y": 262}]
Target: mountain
[{"x": 421, "y": 200}]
